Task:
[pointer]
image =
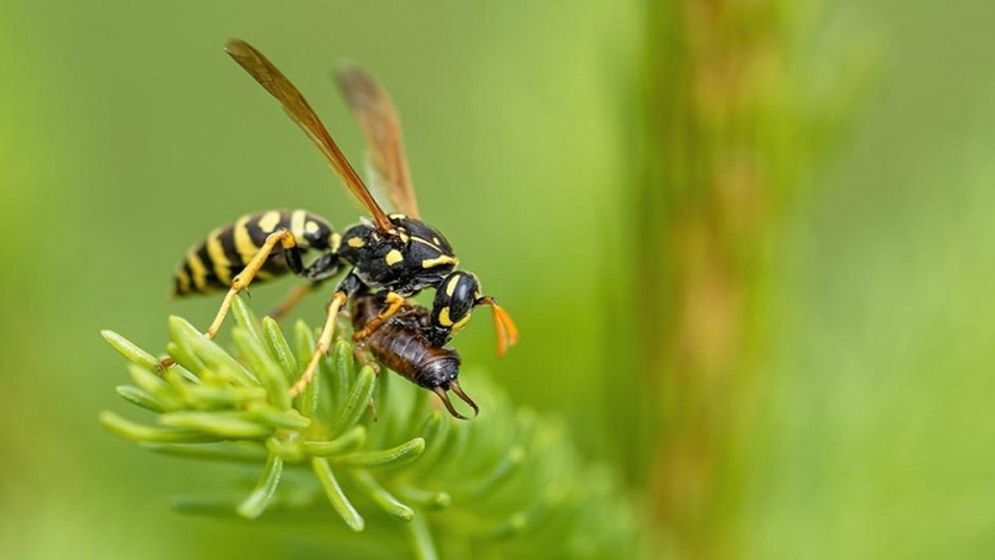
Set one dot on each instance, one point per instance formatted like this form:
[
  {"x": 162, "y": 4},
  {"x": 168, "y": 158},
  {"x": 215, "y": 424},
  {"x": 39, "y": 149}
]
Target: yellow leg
[
  {"x": 244, "y": 278},
  {"x": 394, "y": 303},
  {"x": 324, "y": 343}
]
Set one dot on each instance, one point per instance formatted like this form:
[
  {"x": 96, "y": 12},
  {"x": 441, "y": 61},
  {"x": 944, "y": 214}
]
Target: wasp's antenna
[
  {"x": 507, "y": 331},
  {"x": 454, "y": 385},
  {"x": 449, "y": 404}
]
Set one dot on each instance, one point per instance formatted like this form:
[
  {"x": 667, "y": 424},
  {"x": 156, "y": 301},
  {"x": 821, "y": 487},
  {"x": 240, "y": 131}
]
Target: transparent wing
[
  {"x": 381, "y": 126},
  {"x": 301, "y": 113}
]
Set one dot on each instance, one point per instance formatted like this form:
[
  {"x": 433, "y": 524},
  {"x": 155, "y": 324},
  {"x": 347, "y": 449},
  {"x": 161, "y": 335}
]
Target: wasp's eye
[{"x": 454, "y": 300}]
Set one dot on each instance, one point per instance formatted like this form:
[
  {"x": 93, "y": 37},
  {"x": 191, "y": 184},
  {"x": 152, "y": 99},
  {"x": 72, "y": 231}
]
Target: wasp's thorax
[{"x": 412, "y": 257}]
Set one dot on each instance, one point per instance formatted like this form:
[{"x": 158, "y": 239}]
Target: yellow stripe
[
  {"x": 444, "y": 319},
  {"x": 462, "y": 323},
  {"x": 426, "y": 242},
  {"x": 269, "y": 221},
  {"x": 243, "y": 242},
  {"x": 184, "y": 279},
  {"x": 451, "y": 286},
  {"x": 218, "y": 259},
  {"x": 297, "y": 226},
  {"x": 444, "y": 259},
  {"x": 198, "y": 269}
]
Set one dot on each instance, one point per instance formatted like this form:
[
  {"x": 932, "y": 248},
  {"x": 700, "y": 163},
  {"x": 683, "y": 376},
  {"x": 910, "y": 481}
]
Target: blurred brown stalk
[{"x": 723, "y": 148}]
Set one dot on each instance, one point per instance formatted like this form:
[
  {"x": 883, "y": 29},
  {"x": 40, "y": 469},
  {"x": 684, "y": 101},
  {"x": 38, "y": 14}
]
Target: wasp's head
[{"x": 455, "y": 299}]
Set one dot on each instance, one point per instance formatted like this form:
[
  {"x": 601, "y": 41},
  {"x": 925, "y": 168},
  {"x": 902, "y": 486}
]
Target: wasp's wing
[
  {"x": 301, "y": 112},
  {"x": 381, "y": 126}
]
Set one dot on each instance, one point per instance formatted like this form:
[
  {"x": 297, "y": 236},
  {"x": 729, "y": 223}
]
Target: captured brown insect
[{"x": 402, "y": 343}]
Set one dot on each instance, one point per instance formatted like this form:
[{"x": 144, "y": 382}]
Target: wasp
[
  {"x": 393, "y": 256},
  {"x": 403, "y": 343}
]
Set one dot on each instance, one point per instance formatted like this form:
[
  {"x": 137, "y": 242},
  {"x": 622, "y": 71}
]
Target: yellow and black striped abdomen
[{"x": 211, "y": 265}]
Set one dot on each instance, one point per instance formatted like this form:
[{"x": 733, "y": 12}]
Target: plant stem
[{"x": 420, "y": 537}]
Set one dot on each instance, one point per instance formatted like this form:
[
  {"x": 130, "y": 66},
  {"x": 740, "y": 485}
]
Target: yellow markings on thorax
[
  {"x": 335, "y": 241},
  {"x": 435, "y": 246},
  {"x": 269, "y": 221},
  {"x": 404, "y": 237},
  {"x": 440, "y": 260},
  {"x": 356, "y": 242},
  {"x": 393, "y": 257},
  {"x": 311, "y": 227},
  {"x": 198, "y": 270},
  {"x": 451, "y": 285},
  {"x": 297, "y": 219},
  {"x": 243, "y": 241},
  {"x": 218, "y": 259},
  {"x": 397, "y": 216}
]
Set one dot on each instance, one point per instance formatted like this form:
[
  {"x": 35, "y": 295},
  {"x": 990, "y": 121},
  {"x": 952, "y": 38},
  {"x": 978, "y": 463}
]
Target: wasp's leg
[
  {"x": 323, "y": 268},
  {"x": 291, "y": 252},
  {"x": 347, "y": 289},
  {"x": 393, "y": 302}
]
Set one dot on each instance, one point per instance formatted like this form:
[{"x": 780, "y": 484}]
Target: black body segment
[
  {"x": 453, "y": 305},
  {"x": 212, "y": 264},
  {"x": 417, "y": 257}
]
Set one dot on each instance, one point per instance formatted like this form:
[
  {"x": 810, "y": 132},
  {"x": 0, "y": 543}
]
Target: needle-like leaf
[
  {"x": 335, "y": 495},
  {"x": 354, "y": 437},
  {"x": 357, "y": 400},
  {"x": 393, "y": 457},
  {"x": 497, "y": 481},
  {"x": 130, "y": 350},
  {"x": 380, "y": 496},
  {"x": 261, "y": 496}
]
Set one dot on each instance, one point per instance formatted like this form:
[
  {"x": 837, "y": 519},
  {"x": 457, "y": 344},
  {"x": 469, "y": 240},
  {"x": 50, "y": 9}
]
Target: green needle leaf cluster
[{"x": 374, "y": 447}]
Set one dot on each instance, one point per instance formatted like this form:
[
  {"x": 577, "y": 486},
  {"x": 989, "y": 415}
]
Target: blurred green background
[{"x": 577, "y": 156}]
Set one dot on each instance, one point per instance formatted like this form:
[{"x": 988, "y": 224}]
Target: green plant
[{"x": 507, "y": 484}]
